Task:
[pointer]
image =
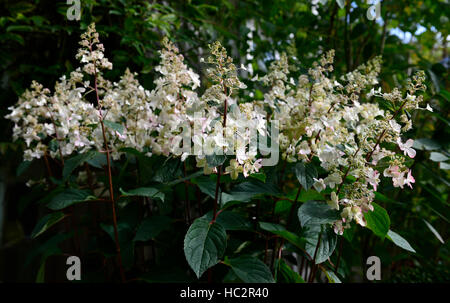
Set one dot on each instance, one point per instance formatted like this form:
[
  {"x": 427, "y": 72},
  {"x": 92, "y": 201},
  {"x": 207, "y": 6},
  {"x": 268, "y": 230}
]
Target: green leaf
[
  {"x": 399, "y": 241},
  {"x": 46, "y": 222},
  {"x": 434, "y": 231},
  {"x": 40, "y": 278},
  {"x": 204, "y": 244},
  {"x": 71, "y": 164},
  {"x": 114, "y": 126},
  {"x": 151, "y": 227},
  {"x": 69, "y": 197},
  {"x": 327, "y": 243},
  {"x": 169, "y": 170},
  {"x": 206, "y": 185},
  {"x": 378, "y": 220},
  {"x": 19, "y": 28},
  {"x": 149, "y": 192},
  {"x": 282, "y": 232},
  {"x": 305, "y": 174},
  {"x": 288, "y": 274},
  {"x": 259, "y": 176},
  {"x": 22, "y": 167},
  {"x": 251, "y": 270},
  {"x": 438, "y": 157},
  {"x": 315, "y": 213}
]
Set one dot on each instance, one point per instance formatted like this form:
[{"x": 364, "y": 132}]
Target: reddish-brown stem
[{"x": 111, "y": 190}]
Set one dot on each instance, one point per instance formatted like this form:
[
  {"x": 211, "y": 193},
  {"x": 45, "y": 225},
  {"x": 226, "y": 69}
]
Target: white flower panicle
[{"x": 337, "y": 122}]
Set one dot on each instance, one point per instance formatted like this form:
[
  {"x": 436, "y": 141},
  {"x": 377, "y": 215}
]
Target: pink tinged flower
[
  {"x": 409, "y": 179},
  {"x": 372, "y": 178},
  {"x": 407, "y": 147},
  {"x": 391, "y": 171}
]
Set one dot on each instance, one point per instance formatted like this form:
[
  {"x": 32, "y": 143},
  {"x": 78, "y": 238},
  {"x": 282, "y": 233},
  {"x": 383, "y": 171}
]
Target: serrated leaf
[
  {"x": 69, "y": 197},
  {"x": 251, "y": 270},
  {"x": 305, "y": 174},
  {"x": 327, "y": 244},
  {"x": 46, "y": 222},
  {"x": 149, "y": 192},
  {"x": 204, "y": 244},
  {"x": 151, "y": 227},
  {"x": 315, "y": 213},
  {"x": 434, "y": 231},
  {"x": 378, "y": 220},
  {"x": 399, "y": 241}
]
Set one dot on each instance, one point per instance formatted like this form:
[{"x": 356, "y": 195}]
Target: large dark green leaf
[
  {"x": 305, "y": 172},
  {"x": 315, "y": 213},
  {"x": 251, "y": 270},
  {"x": 204, "y": 244},
  {"x": 378, "y": 220},
  {"x": 206, "y": 185},
  {"x": 69, "y": 197},
  {"x": 327, "y": 243}
]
